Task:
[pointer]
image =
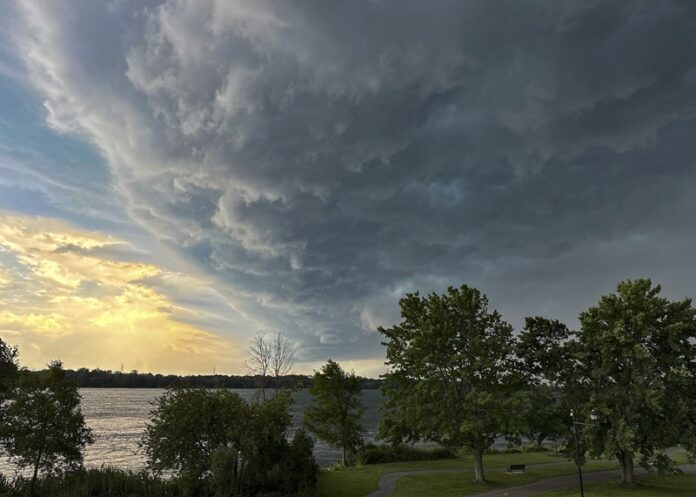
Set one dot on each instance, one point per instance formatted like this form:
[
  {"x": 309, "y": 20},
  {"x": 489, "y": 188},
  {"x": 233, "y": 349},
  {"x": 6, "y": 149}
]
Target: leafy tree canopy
[
  {"x": 215, "y": 437},
  {"x": 635, "y": 364},
  {"x": 454, "y": 377},
  {"x": 43, "y": 427},
  {"x": 335, "y": 413}
]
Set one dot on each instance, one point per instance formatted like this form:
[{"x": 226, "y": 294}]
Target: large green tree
[
  {"x": 453, "y": 375},
  {"x": 634, "y": 371},
  {"x": 335, "y": 412},
  {"x": 44, "y": 429},
  {"x": 188, "y": 425},
  {"x": 240, "y": 447}
]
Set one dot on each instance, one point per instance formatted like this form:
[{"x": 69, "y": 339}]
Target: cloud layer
[
  {"x": 319, "y": 159},
  {"x": 65, "y": 294}
]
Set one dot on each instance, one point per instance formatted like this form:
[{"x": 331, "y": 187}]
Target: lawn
[
  {"x": 361, "y": 480},
  {"x": 457, "y": 484},
  {"x": 648, "y": 486}
]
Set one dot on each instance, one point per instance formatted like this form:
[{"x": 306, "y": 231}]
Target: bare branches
[
  {"x": 259, "y": 361},
  {"x": 282, "y": 357},
  {"x": 272, "y": 356}
]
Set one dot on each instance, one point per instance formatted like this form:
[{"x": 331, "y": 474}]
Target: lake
[{"x": 118, "y": 416}]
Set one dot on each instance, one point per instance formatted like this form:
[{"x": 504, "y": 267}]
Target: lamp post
[{"x": 577, "y": 448}]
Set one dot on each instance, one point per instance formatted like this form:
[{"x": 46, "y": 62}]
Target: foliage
[
  {"x": 546, "y": 414},
  {"x": 8, "y": 375},
  {"x": 105, "y": 482},
  {"x": 542, "y": 347},
  {"x": 99, "y": 378},
  {"x": 377, "y": 454},
  {"x": 546, "y": 357},
  {"x": 635, "y": 360},
  {"x": 453, "y": 374},
  {"x": 335, "y": 412},
  {"x": 43, "y": 427},
  {"x": 216, "y": 442},
  {"x": 188, "y": 425},
  {"x": 8, "y": 368}
]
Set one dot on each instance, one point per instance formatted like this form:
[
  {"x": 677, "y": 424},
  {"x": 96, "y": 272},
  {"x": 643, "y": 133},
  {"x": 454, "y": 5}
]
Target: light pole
[{"x": 577, "y": 448}]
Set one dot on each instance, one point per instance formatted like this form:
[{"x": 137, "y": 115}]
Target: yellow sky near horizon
[{"x": 69, "y": 294}]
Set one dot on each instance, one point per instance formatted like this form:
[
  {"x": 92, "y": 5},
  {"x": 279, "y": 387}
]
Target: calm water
[{"x": 118, "y": 416}]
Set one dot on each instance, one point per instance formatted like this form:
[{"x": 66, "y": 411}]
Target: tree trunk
[
  {"x": 32, "y": 484},
  {"x": 478, "y": 465},
  {"x": 37, "y": 461},
  {"x": 626, "y": 459},
  {"x": 540, "y": 440}
]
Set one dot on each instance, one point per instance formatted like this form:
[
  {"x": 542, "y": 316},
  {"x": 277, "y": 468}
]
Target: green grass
[
  {"x": 647, "y": 486},
  {"x": 361, "y": 480},
  {"x": 457, "y": 484}
]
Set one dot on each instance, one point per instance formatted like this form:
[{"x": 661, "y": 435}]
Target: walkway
[{"x": 387, "y": 483}]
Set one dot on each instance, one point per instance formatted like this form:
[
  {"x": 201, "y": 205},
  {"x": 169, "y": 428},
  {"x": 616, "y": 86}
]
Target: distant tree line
[{"x": 99, "y": 378}]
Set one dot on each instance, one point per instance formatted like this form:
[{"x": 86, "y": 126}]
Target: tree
[
  {"x": 8, "y": 368},
  {"x": 282, "y": 357},
  {"x": 635, "y": 372},
  {"x": 188, "y": 425},
  {"x": 45, "y": 429},
  {"x": 335, "y": 412},
  {"x": 546, "y": 359},
  {"x": 453, "y": 377},
  {"x": 543, "y": 348},
  {"x": 260, "y": 353},
  {"x": 240, "y": 448},
  {"x": 546, "y": 414},
  {"x": 8, "y": 374}
]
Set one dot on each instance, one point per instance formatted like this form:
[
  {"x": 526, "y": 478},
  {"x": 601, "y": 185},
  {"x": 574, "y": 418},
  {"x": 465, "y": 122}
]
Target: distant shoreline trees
[{"x": 100, "y": 378}]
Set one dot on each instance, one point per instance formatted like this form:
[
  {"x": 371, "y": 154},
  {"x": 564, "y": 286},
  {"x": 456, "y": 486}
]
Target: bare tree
[
  {"x": 260, "y": 353},
  {"x": 282, "y": 357}
]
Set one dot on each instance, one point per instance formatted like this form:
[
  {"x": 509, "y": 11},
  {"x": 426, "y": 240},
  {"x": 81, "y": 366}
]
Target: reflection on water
[{"x": 118, "y": 416}]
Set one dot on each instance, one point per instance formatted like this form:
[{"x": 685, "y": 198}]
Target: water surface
[{"x": 118, "y": 417}]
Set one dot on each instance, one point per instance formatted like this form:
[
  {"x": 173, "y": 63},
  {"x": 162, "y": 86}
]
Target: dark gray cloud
[{"x": 321, "y": 158}]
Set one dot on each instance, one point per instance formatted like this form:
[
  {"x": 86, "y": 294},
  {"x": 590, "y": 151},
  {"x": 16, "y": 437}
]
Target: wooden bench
[{"x": 517, "y": 468}]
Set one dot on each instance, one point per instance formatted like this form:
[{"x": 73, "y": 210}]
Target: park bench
[{"x": 517, "y": 468}]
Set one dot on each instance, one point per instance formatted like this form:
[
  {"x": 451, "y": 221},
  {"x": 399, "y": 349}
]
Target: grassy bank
[
  {"x": 457, "y": 484},
  {"x": 361, "y": 480},
  {"x": 648, "y": 486}
]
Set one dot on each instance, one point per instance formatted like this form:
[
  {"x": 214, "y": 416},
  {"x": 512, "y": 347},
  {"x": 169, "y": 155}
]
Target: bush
[
  {"x": 518, "y": 450},
  {"x": 105, "y": 482},
  {"x": 376, "y": 454}
]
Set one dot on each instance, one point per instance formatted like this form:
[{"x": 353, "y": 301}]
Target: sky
[{"x": 178, "y": 175}]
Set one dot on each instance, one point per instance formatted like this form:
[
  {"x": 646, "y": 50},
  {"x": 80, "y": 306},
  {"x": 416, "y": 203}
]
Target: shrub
[
  {"x": 376, "y": 454},
  {"x": 105, "y": 482}
]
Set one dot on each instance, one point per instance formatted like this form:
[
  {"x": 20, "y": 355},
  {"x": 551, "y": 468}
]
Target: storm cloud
[{"x": 319, "y": 159}]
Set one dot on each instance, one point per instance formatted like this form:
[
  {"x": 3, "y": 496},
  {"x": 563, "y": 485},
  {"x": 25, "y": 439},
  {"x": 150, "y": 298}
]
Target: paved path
[{"x": 387, "y": 482}]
